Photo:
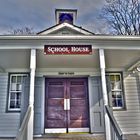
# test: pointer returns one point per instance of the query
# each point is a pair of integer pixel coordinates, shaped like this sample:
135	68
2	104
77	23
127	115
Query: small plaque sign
67	49
66	73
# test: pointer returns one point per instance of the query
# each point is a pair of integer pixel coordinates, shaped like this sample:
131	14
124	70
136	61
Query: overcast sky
40	14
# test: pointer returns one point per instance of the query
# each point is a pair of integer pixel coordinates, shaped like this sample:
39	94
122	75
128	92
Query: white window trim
9	91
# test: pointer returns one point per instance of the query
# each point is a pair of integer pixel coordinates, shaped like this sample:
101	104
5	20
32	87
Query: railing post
105	96
31	96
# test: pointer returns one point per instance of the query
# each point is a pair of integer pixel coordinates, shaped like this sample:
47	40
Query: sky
40	14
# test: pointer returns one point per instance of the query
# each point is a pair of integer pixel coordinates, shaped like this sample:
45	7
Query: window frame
119	90
16	91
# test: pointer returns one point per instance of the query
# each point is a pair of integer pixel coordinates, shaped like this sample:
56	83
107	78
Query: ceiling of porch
67	61
20	59
121	58
14	59
115	59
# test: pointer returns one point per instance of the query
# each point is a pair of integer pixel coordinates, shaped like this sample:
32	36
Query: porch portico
30	57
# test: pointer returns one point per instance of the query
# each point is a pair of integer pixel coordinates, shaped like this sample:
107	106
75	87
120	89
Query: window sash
16	101
117	95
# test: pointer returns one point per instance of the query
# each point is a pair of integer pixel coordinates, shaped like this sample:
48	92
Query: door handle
66	104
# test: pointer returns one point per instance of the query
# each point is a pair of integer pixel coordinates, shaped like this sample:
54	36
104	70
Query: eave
94	37
100	41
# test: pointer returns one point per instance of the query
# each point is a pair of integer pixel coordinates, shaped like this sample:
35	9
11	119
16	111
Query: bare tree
21	31
123	16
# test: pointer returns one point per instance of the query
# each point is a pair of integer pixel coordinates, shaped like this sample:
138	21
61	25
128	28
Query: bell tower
65	15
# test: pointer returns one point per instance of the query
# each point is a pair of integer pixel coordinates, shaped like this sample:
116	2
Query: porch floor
71	137
76	137
81	137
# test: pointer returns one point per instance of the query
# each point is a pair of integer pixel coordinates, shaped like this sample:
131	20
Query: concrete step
81	137
76	137
71	137
7	138
132	137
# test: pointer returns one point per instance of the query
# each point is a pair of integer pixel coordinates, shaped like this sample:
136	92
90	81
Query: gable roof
61	26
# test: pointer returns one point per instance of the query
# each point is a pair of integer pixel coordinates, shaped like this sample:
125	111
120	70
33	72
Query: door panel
67	104
55	114
55	91
78	103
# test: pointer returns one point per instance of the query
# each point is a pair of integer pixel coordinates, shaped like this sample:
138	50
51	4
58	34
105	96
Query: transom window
116	85
15	91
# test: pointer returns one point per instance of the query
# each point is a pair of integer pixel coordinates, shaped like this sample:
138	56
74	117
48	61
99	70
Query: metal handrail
114	123
23	127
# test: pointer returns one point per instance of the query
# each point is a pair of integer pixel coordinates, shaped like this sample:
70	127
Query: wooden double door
66	105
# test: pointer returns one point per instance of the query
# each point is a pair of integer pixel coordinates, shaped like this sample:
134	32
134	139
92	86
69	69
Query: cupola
65	16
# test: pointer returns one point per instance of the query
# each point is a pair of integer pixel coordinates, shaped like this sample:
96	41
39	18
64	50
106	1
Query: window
15	91
116	88
66	17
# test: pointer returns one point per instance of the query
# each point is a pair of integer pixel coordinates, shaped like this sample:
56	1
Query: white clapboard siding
9	122
129	119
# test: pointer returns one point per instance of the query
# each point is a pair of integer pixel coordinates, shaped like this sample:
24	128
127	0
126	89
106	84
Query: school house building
67	79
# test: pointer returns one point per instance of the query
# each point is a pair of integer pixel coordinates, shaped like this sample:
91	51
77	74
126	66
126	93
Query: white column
105	96
31	95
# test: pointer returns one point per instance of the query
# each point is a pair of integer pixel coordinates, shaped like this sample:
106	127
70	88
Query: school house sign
67	49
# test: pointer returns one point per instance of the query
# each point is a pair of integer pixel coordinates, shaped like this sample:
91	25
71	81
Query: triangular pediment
65	29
